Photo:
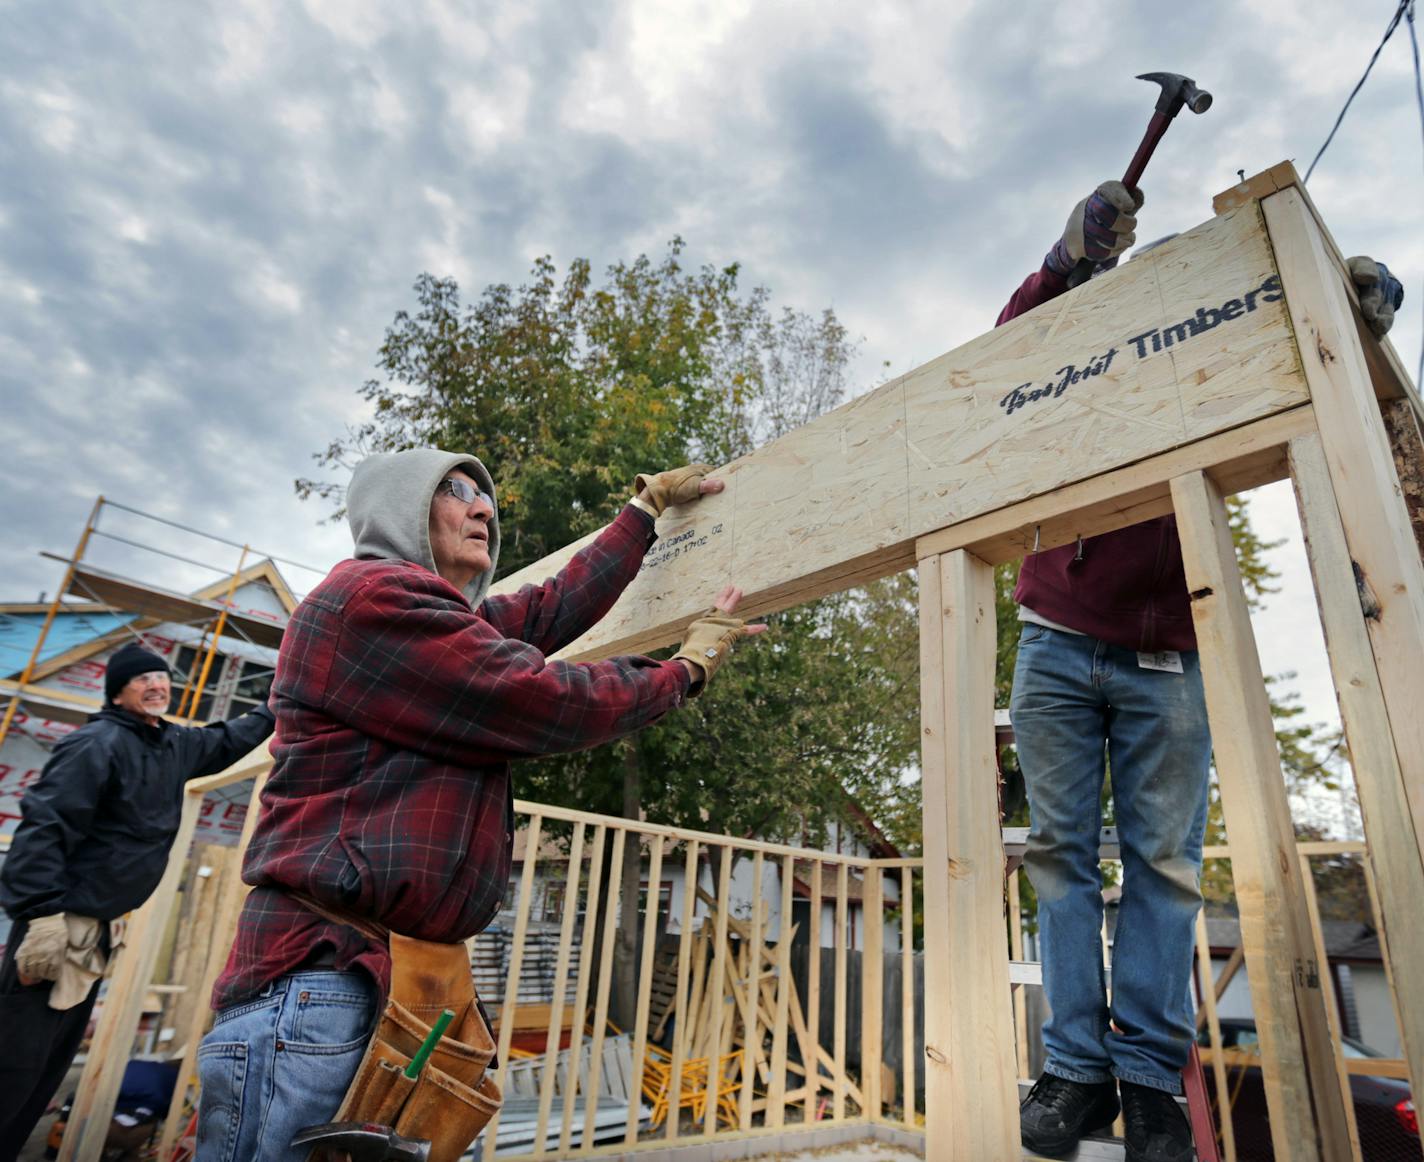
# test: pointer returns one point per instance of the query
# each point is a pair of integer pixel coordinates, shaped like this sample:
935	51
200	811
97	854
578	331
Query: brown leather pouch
452	1100
447	1114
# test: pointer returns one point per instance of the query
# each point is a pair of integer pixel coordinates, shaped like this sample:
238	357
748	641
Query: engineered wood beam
1188	342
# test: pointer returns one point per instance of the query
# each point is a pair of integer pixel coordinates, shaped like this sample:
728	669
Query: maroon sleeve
416	668
566	606
1036	289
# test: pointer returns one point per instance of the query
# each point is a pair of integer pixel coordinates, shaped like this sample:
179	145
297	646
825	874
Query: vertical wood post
1306	1113
717	990
907	994
109	1051
561	988
971	1104
645	975
813	997
872	992
682	1005
838	1007
1317	935
1367	488
1393	848
516	960
776	1094
230	896
751	1002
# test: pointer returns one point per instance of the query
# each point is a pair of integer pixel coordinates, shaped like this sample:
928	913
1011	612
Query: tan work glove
42	951
707	643
1100	228
653	492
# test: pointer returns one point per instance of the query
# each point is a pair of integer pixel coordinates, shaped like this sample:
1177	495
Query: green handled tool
427	1047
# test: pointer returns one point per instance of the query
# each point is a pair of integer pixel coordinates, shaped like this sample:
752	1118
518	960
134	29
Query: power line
1419	99
1388	32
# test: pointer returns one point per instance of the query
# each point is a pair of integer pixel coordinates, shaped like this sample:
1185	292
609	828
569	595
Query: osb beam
1387	372
1188	342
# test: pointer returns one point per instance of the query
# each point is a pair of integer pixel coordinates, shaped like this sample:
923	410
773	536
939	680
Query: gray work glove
41	953
1100	228
656	490
708	641
1381	294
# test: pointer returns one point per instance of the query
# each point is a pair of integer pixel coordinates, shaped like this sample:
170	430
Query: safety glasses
464	491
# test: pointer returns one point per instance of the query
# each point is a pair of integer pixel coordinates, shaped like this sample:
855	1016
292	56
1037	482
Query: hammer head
1177	91
363	1142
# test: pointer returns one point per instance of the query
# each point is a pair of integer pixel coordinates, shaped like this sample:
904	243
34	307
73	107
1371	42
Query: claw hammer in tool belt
421	1092
1177	91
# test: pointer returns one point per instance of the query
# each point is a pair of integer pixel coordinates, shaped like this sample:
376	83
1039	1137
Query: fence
801	1033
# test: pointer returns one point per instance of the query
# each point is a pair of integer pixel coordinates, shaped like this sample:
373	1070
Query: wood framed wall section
971	1104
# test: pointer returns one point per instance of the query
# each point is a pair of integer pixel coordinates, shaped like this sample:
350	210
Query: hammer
1177	91
364	1142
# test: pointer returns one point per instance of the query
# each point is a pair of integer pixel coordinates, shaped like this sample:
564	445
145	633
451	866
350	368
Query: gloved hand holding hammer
1100	228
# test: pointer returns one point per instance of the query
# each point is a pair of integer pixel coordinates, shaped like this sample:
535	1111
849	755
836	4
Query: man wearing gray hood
402	693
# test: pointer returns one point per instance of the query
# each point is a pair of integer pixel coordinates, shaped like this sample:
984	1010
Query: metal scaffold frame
211	610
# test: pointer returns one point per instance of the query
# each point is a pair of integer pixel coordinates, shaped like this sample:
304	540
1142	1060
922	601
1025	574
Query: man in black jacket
92	845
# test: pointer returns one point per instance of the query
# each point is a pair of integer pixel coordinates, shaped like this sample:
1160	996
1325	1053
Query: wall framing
889	481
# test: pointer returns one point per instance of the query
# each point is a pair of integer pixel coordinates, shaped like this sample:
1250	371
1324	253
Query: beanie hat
129	662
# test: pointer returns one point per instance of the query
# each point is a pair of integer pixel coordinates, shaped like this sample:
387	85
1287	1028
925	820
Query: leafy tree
566	388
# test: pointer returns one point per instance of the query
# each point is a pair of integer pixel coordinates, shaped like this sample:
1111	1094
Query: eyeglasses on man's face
463	490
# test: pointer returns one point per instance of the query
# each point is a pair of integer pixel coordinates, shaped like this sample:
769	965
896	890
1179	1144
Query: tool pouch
447	1114
452	1099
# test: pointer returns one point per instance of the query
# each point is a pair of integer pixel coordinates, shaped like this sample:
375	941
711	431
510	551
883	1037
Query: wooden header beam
1189	342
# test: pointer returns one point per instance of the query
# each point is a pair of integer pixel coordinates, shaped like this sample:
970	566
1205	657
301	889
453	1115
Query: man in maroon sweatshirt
1108	668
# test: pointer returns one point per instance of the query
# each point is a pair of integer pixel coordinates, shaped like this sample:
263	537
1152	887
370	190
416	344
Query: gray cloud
211	212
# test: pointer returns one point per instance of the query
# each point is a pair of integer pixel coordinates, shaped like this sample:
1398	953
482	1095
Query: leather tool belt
453	1098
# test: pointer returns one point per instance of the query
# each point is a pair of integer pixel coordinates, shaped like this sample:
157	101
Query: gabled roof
83	629
1346	941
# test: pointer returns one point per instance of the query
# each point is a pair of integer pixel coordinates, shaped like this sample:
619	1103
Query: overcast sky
210	212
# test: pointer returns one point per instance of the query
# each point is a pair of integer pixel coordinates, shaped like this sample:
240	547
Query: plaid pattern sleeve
413	666
563	608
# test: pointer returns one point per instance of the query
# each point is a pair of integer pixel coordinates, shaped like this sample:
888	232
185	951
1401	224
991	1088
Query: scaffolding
90	588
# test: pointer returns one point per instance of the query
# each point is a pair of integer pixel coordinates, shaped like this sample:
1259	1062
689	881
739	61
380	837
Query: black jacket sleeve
56	816
212	748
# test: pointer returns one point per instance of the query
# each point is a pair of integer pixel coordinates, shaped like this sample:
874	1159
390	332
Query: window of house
187	664
554	892
254	684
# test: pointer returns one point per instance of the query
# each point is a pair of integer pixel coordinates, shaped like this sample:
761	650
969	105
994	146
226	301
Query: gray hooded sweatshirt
388	508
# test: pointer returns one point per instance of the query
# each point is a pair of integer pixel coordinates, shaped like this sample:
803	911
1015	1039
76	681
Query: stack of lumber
490	956
716	1026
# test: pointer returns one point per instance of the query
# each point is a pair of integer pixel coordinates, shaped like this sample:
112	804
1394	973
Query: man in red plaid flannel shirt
402	693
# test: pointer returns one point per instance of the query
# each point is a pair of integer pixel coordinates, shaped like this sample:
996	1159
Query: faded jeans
281	1062
1075	698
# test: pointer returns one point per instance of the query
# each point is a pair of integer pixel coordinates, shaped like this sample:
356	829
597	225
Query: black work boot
1057	1112
1157	1130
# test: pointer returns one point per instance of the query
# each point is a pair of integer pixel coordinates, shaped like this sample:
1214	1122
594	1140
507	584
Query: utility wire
1419	98
1388	32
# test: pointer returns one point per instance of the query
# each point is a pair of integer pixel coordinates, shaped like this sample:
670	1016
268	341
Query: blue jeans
281	1062
1076	698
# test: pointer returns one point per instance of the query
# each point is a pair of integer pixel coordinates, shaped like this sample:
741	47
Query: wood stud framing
1292	390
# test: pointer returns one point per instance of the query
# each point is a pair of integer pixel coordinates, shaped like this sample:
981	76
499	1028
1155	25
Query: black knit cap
129	662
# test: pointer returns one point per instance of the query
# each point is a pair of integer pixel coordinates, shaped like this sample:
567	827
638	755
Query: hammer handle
1155	129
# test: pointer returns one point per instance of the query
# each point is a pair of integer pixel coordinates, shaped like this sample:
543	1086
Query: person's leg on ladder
1059	726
